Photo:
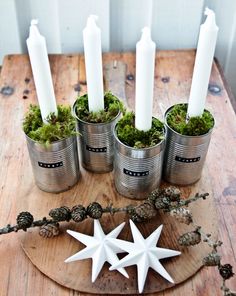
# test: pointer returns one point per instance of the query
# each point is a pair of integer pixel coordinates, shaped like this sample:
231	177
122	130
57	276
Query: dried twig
167	200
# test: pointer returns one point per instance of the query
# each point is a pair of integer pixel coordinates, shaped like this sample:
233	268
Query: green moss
112	106
130	136
60	127
196	126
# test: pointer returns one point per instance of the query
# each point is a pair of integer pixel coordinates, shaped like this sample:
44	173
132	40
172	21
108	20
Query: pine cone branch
167	200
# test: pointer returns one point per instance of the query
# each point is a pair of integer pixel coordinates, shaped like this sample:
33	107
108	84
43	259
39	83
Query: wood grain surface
49	254
18	191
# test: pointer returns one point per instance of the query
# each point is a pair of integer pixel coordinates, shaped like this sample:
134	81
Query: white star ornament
99	248
144	253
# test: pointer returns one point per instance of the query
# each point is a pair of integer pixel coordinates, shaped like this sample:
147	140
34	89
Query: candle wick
34	22
208	11
146	31
210	19
94	16
92	19
146	34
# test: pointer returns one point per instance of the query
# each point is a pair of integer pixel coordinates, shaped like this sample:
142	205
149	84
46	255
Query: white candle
203	65
93	64
41	71
145	66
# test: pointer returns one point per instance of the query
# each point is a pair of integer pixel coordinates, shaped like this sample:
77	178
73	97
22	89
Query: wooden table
173	73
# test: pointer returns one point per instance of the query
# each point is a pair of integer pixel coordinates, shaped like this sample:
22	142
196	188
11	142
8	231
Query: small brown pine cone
94	210
157	193
134	217
162	203
78	213
49	230
24	220
172	192
145	211
60	214
212	259
182	215
226	271
190	238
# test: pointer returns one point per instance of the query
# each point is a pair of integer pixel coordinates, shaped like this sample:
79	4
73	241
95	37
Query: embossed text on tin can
96	144
137	172
56	165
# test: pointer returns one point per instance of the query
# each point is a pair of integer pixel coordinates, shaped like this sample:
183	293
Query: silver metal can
137	172
56	165
96	144
184	156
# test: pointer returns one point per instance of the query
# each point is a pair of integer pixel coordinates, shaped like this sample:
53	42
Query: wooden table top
173	74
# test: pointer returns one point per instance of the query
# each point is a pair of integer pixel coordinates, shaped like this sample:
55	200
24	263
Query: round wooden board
48	255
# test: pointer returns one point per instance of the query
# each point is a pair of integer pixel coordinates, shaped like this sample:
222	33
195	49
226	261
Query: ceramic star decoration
144	253
99	248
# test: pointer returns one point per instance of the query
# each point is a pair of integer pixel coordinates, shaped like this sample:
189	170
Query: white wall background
175	25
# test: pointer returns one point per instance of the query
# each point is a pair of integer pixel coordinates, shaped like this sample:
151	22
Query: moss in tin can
195	126
112	106
59	127
131	136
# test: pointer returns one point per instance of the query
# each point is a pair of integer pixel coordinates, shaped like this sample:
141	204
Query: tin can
96	144
137	172
184	156
56	165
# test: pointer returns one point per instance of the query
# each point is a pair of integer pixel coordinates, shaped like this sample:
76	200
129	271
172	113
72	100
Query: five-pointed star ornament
144	253
99	248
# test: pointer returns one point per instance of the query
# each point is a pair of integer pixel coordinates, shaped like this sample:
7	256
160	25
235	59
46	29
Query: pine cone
212	259
182	215
154	195
49	230
190	238
94	210
78	213
172	192
60	214
145	211
226	271
134	217
162	203
142	212
162	198
24	220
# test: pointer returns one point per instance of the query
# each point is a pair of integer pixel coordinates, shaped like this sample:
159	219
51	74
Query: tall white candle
145	66
203	65
93	64
41	71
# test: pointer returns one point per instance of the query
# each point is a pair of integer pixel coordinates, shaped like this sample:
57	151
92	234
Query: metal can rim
140	149
92	123
52	143
186	136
